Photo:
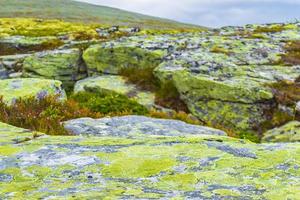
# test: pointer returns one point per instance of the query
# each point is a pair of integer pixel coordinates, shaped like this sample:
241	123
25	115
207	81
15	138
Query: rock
63	65
11	64
224	79
290	132
112	59
135	125
145	167
12	89
23	45
117	84
298	106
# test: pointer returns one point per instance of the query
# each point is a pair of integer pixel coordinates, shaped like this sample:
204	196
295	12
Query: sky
212	13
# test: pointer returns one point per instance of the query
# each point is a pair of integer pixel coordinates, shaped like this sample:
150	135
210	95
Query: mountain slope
83	12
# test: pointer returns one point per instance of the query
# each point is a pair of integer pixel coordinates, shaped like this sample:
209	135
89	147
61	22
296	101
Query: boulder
144	167
12	89
135	125
63	65
117	84
289	132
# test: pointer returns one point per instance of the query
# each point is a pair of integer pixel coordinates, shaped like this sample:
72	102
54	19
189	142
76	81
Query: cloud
212	12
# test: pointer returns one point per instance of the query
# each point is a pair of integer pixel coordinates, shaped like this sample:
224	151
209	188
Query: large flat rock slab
145	167
135	125
13	89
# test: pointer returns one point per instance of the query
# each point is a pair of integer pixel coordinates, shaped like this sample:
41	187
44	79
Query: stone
298	106
289	132
63	65
117	84
147	166
13	89
22	45
135	125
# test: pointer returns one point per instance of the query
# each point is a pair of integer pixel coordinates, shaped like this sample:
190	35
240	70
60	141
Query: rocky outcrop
144	167
224	77
12	65
116	84
135	125
290	132
63	65
12	89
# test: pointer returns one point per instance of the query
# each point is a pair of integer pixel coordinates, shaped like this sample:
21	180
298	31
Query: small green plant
106	103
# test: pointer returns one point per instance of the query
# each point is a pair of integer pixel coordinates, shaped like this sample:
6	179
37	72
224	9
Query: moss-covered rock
116	84
112	60
63	65
290	132
145	167
12	89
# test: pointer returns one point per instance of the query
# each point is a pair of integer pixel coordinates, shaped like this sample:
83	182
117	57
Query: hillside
83	12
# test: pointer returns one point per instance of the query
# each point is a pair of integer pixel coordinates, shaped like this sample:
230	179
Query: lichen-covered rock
63	65
117	84
144	167
21	44
135	125
12	89
223	76
112	59
290	132
11	64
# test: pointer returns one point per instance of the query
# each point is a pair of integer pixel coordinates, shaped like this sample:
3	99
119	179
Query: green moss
108	103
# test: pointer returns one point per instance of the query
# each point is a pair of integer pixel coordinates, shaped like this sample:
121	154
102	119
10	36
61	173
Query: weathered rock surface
144	167
117	84
287	133
135	125
224	78
11	64
63	65
12	89
21	44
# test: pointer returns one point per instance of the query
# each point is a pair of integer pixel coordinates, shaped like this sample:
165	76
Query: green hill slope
83	12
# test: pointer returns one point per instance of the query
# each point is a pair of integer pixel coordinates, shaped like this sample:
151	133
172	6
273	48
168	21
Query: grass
46	115
270	29
74	11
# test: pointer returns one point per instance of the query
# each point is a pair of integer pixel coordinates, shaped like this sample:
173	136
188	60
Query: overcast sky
212	13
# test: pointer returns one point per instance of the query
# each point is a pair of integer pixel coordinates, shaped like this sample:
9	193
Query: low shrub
44	115
292	54
106	103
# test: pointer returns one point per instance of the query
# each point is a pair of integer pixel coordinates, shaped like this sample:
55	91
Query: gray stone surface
135	125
